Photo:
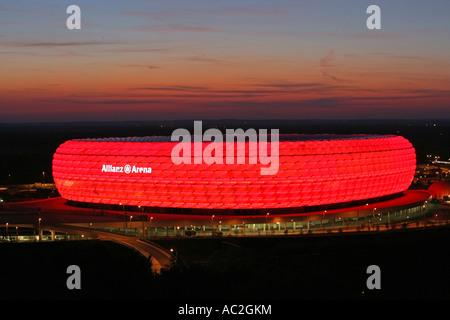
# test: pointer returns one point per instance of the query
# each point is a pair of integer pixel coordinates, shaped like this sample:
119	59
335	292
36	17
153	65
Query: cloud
384	55
105	101
204	59
173	88
249	91
243	92
65	54
327	60
9	10
339	80
138	66
290	85
58	44
175	28
376	35
201	12
240	11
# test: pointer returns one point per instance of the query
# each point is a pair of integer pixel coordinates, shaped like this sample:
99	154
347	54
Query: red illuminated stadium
317	171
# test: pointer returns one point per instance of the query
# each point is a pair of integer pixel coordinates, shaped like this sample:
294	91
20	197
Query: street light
39	230
151	228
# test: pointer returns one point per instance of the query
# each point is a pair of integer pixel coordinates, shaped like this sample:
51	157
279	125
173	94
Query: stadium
319	177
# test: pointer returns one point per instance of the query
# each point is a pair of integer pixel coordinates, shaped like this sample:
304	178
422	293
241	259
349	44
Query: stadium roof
282	137
440	189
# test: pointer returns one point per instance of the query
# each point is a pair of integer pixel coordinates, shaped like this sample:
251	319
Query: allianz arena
315	173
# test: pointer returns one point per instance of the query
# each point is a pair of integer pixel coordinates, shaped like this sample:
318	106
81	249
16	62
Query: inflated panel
140	172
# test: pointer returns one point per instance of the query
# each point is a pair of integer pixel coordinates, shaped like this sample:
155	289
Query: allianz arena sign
126	169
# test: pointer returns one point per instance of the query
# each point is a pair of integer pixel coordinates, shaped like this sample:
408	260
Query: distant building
440	189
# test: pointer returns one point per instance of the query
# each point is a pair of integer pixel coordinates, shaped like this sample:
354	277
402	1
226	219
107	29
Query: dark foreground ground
414	265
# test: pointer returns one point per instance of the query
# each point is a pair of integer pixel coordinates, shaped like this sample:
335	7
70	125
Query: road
159	256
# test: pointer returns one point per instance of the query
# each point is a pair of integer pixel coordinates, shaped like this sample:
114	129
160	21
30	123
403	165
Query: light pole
389	220
131	217
323	218
124	215
39	230
151	228
267	214
43	177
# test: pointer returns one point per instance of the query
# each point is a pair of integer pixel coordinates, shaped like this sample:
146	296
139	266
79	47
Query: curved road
159	256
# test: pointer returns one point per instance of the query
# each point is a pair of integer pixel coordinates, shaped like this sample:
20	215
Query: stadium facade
334	181
319	171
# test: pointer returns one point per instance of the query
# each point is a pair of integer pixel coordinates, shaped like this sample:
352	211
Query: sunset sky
167	60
